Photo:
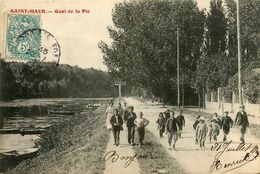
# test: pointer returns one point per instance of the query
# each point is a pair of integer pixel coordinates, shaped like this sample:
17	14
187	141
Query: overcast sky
77	34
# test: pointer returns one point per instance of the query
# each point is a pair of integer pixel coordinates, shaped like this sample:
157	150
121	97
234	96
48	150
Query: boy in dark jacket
226	123
172	129
161	124
181	122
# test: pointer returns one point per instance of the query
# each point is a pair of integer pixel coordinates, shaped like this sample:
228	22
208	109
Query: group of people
167	122
217	123
171	125
117	116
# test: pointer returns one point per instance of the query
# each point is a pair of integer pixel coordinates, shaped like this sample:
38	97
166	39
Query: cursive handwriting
251	153
114	156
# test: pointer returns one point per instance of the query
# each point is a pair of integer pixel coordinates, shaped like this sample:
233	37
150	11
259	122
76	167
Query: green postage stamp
20	45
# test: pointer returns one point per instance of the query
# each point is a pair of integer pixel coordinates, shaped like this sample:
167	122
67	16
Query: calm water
30	113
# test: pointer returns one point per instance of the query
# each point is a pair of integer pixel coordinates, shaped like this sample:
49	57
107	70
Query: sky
77	34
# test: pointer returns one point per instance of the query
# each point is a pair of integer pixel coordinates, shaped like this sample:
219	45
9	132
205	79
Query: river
18	114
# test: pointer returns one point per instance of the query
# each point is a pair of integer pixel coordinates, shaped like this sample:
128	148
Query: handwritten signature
114	156
251	153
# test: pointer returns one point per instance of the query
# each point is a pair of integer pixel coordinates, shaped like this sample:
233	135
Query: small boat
22	131
21	152
10	131
12	158
62	112
28	131
92	106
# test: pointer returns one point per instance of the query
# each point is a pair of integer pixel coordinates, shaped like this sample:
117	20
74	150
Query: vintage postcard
129	86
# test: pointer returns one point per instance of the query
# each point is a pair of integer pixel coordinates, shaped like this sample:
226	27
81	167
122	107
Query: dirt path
189	155
123	151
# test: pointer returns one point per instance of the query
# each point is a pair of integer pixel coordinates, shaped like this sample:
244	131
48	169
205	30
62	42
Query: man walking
172	129
116	122
141	123
130	118
181	122
242	121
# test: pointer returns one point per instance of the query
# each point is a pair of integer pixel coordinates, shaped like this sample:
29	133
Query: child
201	132
181	122
210	132
195	126
216	123
161	124
172	129
167	114
226	123
109	113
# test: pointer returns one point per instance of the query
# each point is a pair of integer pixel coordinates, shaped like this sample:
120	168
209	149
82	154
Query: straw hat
202	118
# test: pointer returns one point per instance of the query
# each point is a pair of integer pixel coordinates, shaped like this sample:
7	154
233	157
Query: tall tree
216	28
144	43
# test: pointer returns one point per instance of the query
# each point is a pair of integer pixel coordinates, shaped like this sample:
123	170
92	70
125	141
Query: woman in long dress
109	113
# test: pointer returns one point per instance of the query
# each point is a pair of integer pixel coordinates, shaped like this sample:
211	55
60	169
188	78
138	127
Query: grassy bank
72	146
161	161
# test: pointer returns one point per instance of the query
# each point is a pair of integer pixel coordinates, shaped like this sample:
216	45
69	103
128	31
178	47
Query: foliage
218	66
216	28
250	85
43	79
144	43
213	71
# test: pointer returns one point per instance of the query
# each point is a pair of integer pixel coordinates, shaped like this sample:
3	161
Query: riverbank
75	145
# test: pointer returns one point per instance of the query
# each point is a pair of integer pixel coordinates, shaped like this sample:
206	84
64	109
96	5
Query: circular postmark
39	44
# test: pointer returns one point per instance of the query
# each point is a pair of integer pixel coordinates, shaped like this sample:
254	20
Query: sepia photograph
129	86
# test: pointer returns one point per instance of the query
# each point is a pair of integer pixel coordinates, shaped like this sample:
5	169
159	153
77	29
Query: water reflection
35	116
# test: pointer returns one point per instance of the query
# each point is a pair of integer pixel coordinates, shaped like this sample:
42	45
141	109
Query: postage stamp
28	41
22	48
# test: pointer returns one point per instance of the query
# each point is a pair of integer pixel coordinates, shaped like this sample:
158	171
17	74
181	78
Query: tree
43	79
218	66
216	28
144	43
249	21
